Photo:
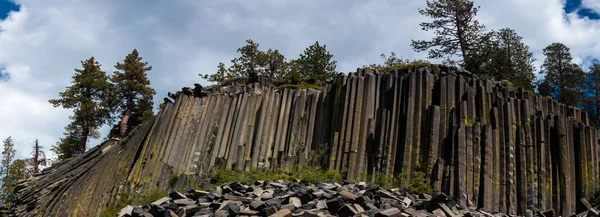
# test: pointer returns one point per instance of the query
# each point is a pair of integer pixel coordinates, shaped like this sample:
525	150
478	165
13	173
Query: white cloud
591	4
42	43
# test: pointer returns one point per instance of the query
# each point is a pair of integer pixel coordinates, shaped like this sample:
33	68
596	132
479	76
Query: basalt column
482	142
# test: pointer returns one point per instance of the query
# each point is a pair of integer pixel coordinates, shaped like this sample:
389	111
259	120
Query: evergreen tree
17	170
563	78
482	56
8	155
68	145
592	91
544	88
133	92
248	65
142	111
455	27
220	76
251	64
293	74
503	56
392	63
87	97
392	60
316	63
273	63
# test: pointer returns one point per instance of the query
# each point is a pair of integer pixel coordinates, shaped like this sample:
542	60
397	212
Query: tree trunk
36	157
126	115
597	104
460	33
85	132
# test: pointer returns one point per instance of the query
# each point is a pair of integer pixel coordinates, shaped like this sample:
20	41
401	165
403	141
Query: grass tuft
301	86
143	198
303	172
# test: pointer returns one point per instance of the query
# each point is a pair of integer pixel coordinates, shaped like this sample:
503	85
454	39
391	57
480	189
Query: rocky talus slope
479	141
301	199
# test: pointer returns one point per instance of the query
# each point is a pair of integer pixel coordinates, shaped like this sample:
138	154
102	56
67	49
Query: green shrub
304	172
419	184
333	175
148	196
113	209
388	181
144	198
301	86
397	66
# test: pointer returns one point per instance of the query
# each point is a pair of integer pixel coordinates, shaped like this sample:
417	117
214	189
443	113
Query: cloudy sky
41	42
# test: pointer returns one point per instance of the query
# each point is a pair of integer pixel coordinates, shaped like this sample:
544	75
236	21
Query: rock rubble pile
286	199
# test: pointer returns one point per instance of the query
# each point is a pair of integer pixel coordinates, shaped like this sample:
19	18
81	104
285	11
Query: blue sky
580	9
7	6
41	42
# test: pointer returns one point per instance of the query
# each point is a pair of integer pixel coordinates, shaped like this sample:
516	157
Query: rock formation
479	141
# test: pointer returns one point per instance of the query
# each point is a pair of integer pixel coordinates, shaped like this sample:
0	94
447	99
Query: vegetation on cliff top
314	66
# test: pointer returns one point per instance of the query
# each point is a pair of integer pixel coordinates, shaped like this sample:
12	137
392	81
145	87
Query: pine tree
503	56
592	91
248	64
563	78
8	155
544	88
133	92
220	76
87	97
455	27
392	63
293	74
17	170
316	63
273	63
68	145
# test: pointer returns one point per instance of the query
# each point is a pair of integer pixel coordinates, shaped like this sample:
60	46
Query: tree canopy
455	27
8	155
562	78
591	85
316	64
133	94
67	146
503	56
392	63
87	96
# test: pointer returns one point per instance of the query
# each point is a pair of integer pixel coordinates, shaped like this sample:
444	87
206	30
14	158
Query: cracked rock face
478	141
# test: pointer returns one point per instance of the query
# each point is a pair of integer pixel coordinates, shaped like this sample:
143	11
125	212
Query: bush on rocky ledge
304	172
145	197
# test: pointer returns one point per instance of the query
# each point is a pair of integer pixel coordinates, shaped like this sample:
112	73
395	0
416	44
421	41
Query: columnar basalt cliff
480	141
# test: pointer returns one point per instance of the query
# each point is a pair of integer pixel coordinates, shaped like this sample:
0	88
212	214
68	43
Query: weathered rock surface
478	141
